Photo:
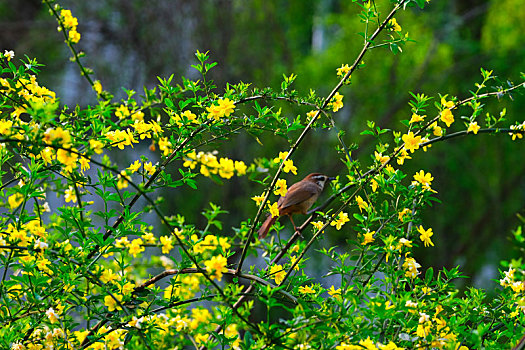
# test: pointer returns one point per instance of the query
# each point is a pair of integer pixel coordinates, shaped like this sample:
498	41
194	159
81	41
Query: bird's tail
265	227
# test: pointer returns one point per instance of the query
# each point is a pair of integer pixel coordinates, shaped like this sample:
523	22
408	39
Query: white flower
52	315
9	54
423	317
410	303
40	245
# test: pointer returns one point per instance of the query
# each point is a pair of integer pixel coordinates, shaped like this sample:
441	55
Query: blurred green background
480	180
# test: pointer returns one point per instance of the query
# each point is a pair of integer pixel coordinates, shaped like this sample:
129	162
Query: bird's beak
331	179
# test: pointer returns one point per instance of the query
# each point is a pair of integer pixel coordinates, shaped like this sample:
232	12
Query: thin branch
231	272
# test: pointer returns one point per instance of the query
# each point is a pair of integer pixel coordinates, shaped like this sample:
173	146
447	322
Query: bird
297	200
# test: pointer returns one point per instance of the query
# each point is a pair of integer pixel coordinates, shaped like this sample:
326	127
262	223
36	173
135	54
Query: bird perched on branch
298	199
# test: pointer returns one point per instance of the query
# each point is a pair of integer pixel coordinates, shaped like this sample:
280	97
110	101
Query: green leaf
359	217
429	275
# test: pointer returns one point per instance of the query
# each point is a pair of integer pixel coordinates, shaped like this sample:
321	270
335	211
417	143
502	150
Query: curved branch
231	272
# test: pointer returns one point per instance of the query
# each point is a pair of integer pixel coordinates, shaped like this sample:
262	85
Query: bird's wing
307	191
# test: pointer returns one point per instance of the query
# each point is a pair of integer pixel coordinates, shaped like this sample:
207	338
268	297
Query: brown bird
298	199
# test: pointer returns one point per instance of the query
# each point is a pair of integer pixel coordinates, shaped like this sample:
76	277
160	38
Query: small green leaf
429	275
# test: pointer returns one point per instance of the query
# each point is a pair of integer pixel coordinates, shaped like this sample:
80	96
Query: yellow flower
311	114
436	130
190	160
122	112
447	117
97	86
390	346
394	27
306	289
368	238
149	168
425	236
217	265
226	168
280	188
110	302
201	338
240	167
274	210
127	288
122	182
226	107
423	179
68	20
68	158
74	36
199	316
342	219
41	264
416	118
446	104
361	203
381	158
411	266
15	200
374	185
337	102
368	344
81	335
108	276
402	213
171	290
167	244
5	127
189	116
515	135
258	199
137	116
293	263
96	146
282	156
343	70
165	146
47	155
185	117
214	112
345	346
122	242
318	225
134	167
210	242
58	135
277	273
402	155
135	247
411	142
84	163
143	129
288	166
70	195
474	127
403	242
334	292
389	169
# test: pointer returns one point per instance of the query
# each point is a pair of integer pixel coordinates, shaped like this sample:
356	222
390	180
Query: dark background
480	180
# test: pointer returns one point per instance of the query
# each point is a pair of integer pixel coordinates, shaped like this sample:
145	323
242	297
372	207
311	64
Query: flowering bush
90	272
